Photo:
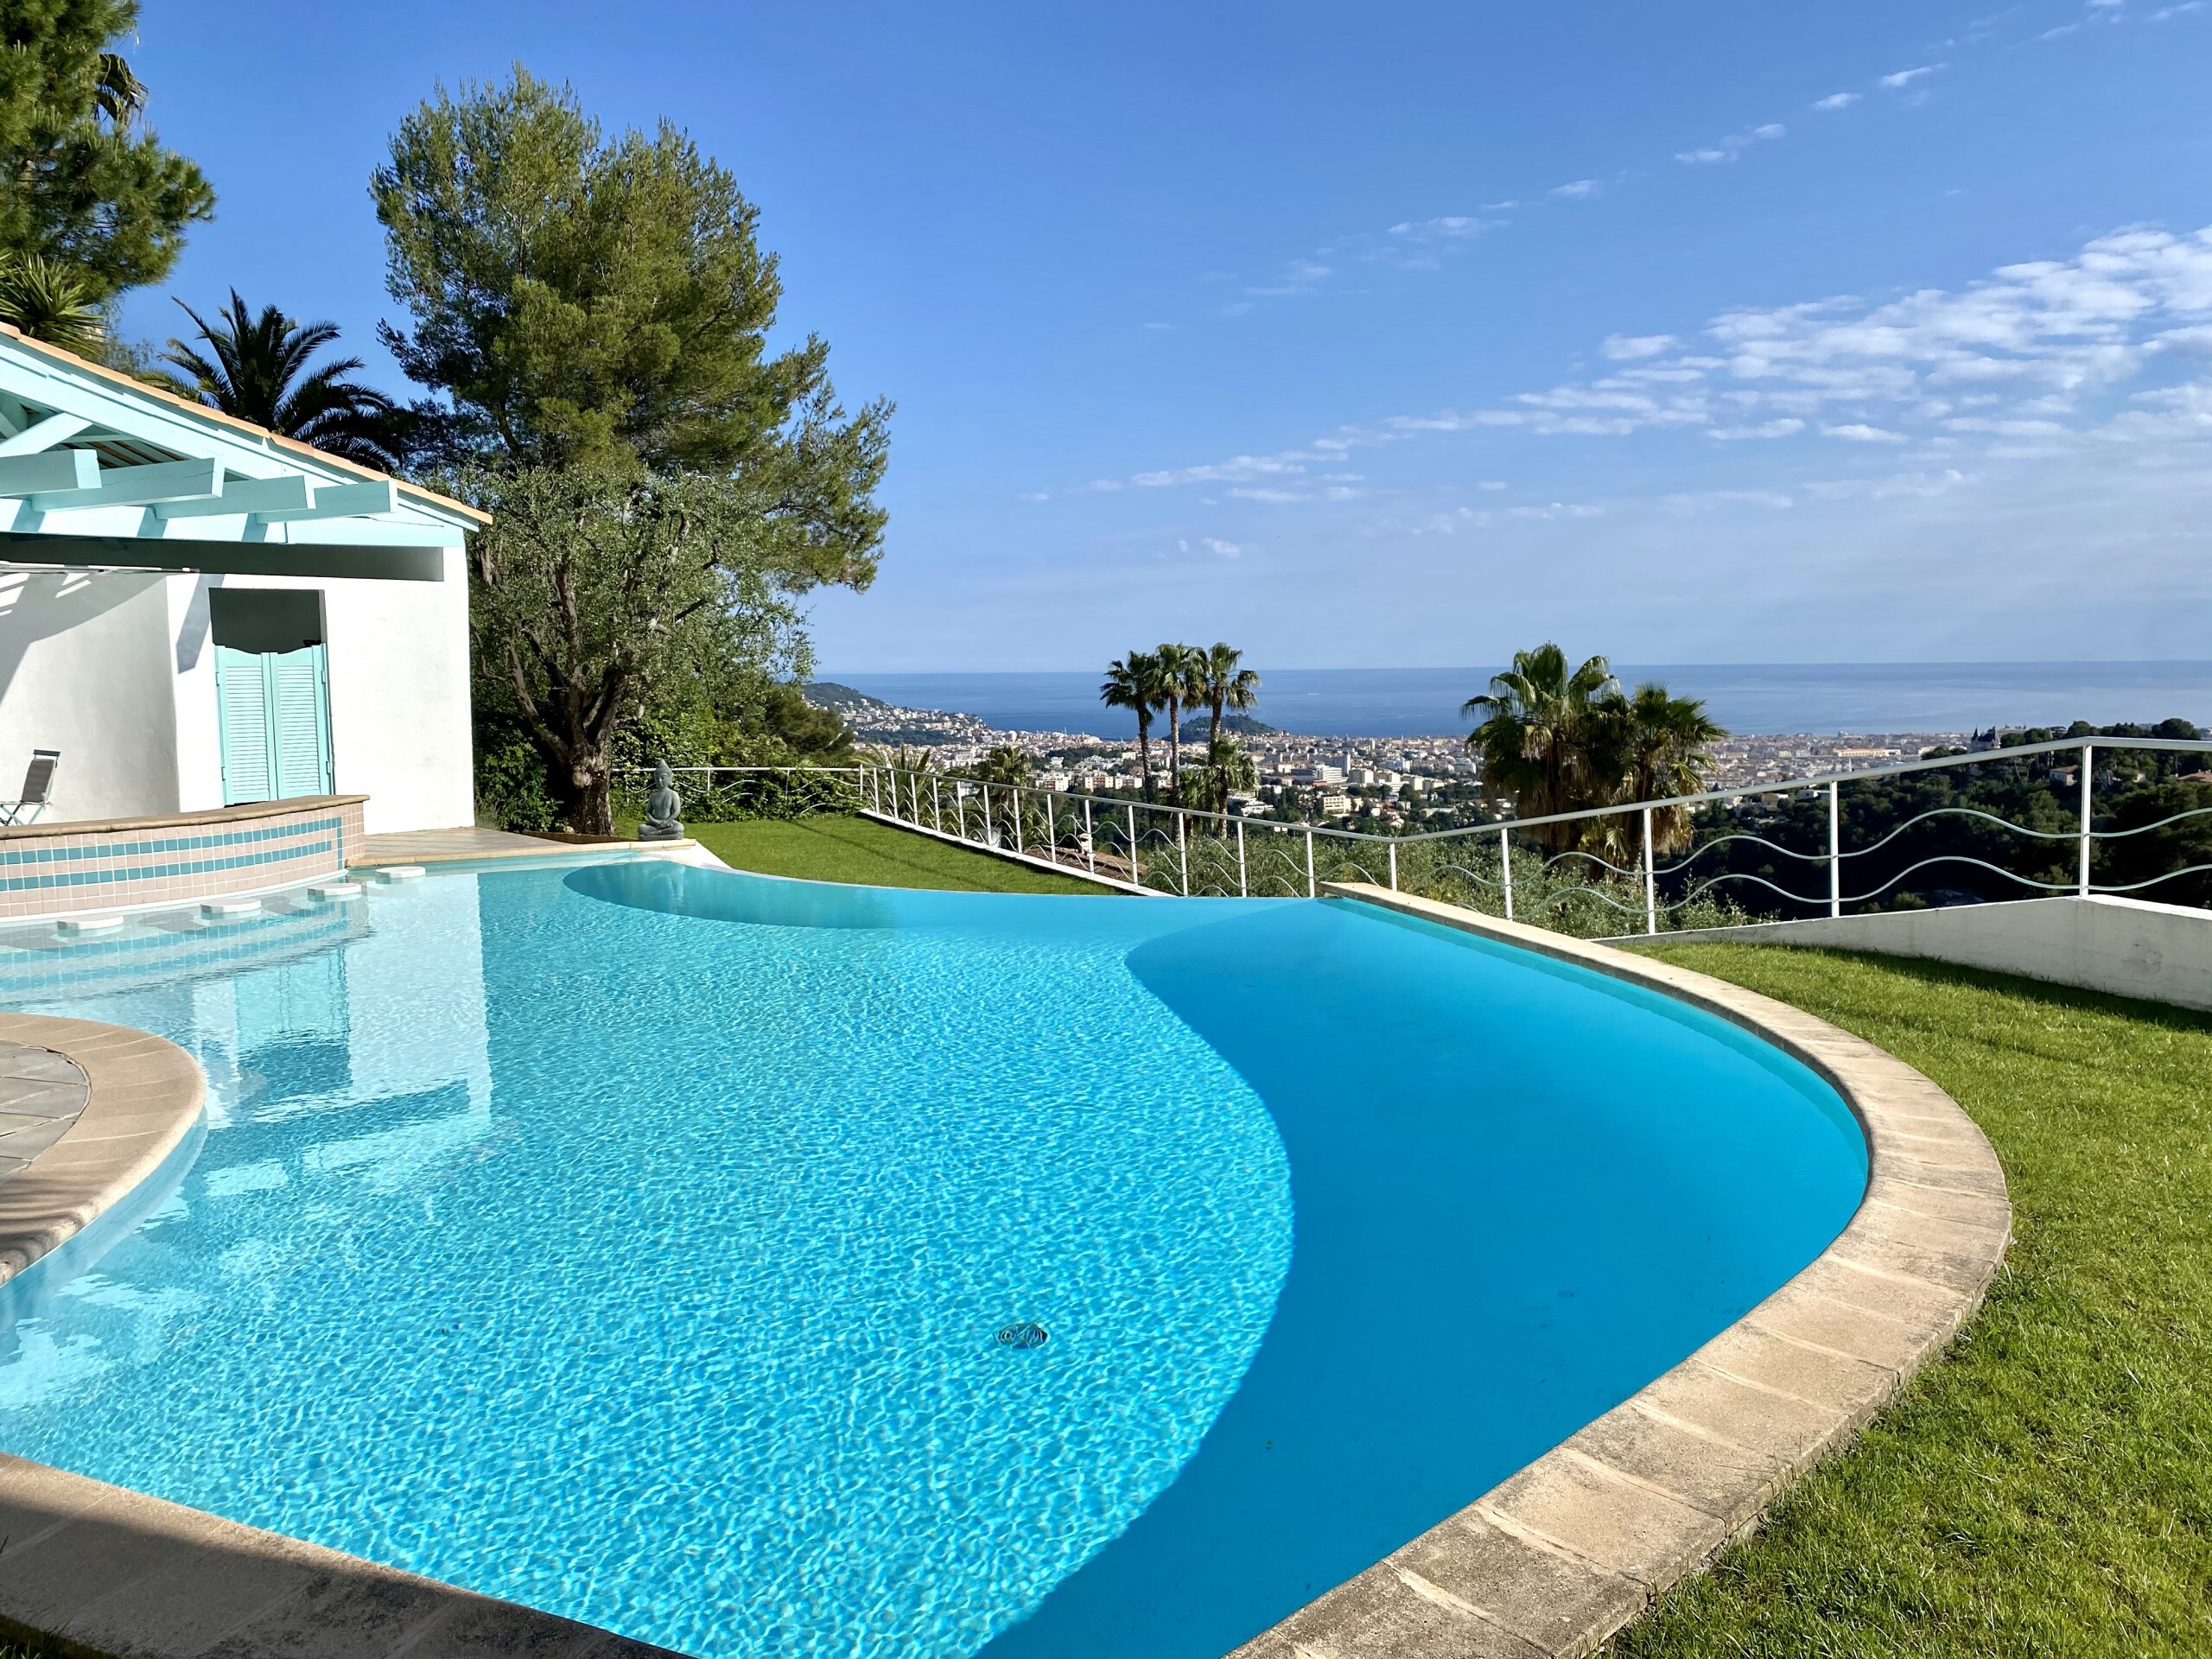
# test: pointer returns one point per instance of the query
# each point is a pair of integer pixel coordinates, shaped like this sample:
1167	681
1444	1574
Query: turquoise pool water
634	1241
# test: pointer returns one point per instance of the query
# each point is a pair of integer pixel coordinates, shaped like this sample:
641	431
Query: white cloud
1576	190
1301	276
1449	224
1707	500
1906	77
2106	347
1788	426
1559	510
1836	101
1732	147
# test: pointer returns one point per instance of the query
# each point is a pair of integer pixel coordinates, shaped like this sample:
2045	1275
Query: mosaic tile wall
53	871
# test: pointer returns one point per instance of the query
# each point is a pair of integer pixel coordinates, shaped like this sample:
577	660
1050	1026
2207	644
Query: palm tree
117	93
1660	745
1228	686
1541	727
50	302
256	367
1182	683
1132	683
1227	768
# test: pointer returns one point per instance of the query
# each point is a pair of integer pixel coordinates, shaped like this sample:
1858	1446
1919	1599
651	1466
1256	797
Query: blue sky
1397	334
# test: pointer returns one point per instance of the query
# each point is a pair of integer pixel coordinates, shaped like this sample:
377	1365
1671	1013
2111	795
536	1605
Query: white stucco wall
2160	952
399	711
117	672
84	667
399	725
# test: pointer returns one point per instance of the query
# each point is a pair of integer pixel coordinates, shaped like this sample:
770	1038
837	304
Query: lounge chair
38	789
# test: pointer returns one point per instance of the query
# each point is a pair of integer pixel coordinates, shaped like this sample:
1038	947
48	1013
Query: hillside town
1427	782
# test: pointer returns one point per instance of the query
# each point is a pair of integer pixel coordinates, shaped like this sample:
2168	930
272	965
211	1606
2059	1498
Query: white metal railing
1580	862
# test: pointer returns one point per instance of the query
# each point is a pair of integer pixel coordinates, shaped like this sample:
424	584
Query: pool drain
1023	1334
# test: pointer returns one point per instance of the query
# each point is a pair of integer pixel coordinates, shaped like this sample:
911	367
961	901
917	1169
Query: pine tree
84	183
583	301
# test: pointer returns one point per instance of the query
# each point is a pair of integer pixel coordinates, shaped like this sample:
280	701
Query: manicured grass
830	848
2046	1489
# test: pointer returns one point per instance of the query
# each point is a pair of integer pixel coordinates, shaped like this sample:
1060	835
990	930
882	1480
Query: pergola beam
263	495
136	486
38	551
44	434
54	469
343	501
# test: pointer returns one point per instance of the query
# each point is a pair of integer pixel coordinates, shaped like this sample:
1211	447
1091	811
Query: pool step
224	910
399	872
71	926
324	892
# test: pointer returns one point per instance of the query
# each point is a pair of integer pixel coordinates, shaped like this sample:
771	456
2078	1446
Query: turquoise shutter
299	722
242	714
273	709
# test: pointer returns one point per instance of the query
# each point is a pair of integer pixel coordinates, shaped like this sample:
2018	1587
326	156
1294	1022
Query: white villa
196	614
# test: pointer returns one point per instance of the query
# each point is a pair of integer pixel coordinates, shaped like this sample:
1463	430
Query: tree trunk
588	805
1175	751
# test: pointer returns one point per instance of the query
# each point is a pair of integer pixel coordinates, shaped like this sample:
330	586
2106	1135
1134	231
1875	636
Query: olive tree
597	594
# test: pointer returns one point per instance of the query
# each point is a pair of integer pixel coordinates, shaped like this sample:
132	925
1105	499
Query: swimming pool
636	1241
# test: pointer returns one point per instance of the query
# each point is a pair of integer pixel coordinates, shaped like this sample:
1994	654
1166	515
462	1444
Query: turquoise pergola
100	472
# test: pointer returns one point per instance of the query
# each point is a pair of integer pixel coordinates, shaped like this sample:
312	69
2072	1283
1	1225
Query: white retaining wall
2126	946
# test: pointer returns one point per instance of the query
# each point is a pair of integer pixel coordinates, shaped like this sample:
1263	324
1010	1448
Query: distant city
1395	779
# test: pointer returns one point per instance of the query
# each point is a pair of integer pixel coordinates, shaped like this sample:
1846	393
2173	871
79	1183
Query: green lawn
2046	1489
830	848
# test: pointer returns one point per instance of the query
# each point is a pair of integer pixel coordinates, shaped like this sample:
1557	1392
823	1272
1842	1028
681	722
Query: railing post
1135	881
1243	890
1651	882
960	810
1505	865
1183	848
1090	837
2088	753
1016	789
1394	866
1312	891
937	806
1835	848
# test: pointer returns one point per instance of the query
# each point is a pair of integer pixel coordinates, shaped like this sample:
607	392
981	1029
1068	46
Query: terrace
1520	1215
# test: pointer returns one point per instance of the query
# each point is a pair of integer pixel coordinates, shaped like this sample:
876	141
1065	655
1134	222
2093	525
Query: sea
1749	698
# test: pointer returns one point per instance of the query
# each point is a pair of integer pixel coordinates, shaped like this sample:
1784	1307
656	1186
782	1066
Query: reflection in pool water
635	1242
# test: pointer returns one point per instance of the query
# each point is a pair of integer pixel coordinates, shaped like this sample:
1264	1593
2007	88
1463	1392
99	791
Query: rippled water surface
634	1241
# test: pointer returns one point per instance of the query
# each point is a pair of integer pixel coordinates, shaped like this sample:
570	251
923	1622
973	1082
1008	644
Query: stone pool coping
88	1568
1560	1556
145	1095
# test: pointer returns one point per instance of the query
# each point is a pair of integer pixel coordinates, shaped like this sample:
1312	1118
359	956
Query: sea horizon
1752	699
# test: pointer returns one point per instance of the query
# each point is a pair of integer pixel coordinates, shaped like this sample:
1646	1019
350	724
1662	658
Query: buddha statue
662	805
